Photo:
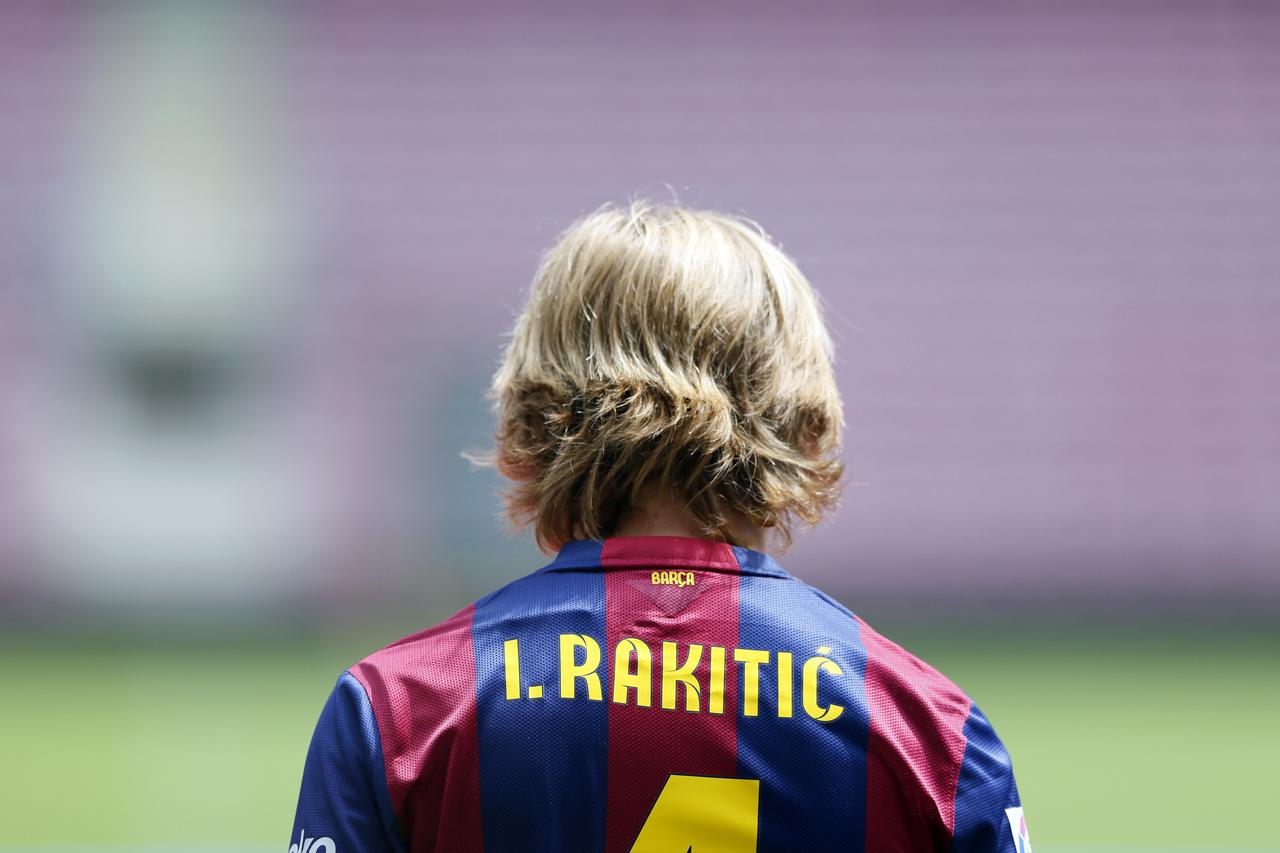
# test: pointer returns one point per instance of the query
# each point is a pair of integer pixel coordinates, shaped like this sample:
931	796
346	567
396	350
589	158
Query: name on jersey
680	579
678	672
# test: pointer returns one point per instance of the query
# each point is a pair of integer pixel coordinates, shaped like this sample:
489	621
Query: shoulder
927	695
918	732
441	657
422	676
908	699
433	656
923	696
421	688
422	696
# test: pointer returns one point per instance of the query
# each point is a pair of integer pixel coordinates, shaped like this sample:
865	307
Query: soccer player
666	413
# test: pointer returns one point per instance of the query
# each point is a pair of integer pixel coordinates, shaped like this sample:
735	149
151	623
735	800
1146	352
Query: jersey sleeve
988	815
344	805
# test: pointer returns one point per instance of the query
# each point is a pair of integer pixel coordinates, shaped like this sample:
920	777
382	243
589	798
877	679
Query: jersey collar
628	552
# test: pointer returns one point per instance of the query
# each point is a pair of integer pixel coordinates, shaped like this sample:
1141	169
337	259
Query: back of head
671	349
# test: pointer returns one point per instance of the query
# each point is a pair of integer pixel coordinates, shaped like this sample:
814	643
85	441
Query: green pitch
1156	740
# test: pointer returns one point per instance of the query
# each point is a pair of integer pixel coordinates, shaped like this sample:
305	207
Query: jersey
657	695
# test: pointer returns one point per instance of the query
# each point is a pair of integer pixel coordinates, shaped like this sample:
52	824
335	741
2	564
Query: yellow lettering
624	679
784	683
681	579
715	693
751	660
570	669
511	665
673	675
810	687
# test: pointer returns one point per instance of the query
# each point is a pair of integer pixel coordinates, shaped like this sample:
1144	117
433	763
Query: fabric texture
652	693
344	804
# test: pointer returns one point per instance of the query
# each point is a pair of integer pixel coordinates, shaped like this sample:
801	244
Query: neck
660	515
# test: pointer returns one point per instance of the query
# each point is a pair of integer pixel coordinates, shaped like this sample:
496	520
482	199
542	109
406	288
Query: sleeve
344	805
988	816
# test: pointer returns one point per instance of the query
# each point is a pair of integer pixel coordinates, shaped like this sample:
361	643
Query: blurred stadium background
256	262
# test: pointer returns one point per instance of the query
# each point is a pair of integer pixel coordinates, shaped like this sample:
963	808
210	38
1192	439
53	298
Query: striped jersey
659	695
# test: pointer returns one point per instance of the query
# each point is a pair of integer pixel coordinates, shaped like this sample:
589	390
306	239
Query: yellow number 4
703	814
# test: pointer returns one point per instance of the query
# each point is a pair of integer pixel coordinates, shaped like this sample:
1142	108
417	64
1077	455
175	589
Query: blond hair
667	348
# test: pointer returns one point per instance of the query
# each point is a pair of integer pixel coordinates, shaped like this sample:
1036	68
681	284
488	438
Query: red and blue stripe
909	765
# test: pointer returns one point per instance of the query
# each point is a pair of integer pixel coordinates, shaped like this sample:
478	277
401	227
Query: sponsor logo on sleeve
1018	826
313	845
